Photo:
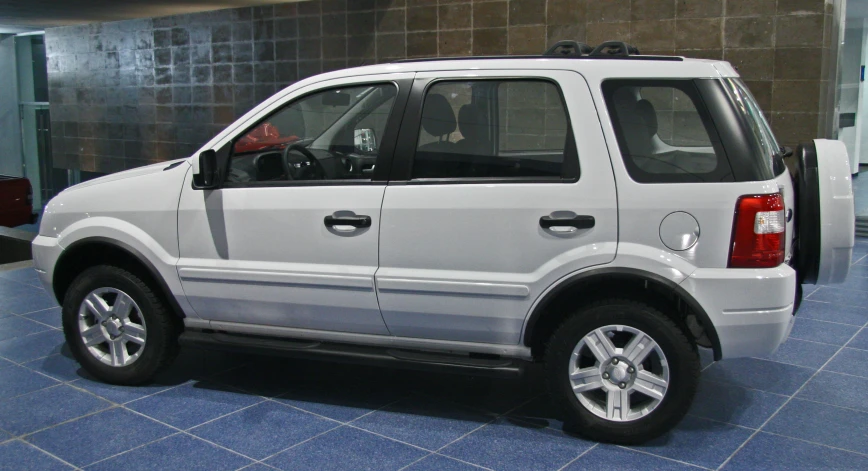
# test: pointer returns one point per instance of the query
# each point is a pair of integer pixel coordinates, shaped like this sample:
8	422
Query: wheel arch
96	250
595	284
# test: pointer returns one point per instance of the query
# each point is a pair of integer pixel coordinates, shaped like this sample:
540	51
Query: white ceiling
27	15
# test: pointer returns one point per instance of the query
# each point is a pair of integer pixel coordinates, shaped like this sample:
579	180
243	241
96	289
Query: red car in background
16	201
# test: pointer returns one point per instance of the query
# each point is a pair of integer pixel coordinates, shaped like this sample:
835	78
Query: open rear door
825	215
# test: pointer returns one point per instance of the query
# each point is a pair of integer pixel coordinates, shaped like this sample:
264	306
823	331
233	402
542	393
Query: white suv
604	213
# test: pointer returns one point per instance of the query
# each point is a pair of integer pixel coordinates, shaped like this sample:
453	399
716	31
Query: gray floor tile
850	361
773	453
613	458
31	347
192	404
17	380
268	428
735	404
506	445
441	463
853	315
15	455
759	374
47	407
698	441
14	326
803	353
181	452
109	433
837	389
821	423
423	422
347	448
825	332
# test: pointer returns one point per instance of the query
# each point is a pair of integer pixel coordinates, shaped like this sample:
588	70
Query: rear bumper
751	309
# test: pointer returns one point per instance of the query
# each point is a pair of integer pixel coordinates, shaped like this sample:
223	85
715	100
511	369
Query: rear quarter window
664	131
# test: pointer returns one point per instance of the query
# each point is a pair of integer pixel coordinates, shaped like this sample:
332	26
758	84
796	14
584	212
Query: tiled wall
128	93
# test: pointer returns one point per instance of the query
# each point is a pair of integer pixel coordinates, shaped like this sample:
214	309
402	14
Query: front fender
138	243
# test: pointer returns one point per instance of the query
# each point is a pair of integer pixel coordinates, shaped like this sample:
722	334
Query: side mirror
207	176
365	141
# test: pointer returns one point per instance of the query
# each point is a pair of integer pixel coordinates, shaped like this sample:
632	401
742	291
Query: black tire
163	326
681	355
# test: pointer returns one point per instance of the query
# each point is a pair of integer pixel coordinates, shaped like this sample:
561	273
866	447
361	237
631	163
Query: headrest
438	119
471	122
646	112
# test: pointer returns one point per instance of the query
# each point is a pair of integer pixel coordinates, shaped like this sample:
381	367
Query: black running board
474	364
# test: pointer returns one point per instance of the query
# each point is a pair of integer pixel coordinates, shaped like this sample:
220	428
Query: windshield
746	104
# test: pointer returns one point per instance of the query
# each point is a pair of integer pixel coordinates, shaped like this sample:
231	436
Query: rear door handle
579	222
355	221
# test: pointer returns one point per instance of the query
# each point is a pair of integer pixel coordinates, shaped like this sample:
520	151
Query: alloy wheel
112	327
619	373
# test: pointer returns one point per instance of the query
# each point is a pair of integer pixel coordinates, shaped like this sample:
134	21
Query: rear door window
665	133
505	129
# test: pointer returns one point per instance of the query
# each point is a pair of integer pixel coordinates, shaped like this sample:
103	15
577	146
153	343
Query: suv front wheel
117	327
621	371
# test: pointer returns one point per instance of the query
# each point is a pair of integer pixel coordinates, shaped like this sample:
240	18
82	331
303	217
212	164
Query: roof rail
568	49
614	48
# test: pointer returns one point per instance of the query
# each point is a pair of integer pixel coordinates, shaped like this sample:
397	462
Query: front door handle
355	221
579	222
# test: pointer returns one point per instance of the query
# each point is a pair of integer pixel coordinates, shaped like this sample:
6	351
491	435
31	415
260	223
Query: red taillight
759	232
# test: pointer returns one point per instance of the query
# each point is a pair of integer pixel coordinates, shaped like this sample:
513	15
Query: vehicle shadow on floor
365	394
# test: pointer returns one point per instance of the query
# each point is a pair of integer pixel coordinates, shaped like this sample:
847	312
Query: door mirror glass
365	141
207	176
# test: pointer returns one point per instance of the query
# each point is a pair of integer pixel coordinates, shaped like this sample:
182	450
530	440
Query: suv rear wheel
621	371
116	326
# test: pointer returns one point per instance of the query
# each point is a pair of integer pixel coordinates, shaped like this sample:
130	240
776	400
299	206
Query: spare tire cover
826	221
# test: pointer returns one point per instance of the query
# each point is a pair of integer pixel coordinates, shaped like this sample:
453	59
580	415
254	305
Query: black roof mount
568	49
614	48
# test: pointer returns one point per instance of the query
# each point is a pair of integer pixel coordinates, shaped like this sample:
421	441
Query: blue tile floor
804	407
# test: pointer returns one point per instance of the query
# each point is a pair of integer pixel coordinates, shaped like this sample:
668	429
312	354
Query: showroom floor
806	407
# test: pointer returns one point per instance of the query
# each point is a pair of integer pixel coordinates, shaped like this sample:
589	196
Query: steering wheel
316	170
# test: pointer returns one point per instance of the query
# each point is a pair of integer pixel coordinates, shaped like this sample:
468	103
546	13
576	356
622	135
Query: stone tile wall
129	93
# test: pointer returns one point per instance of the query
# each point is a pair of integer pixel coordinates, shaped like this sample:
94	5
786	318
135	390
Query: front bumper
751	309
46	251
